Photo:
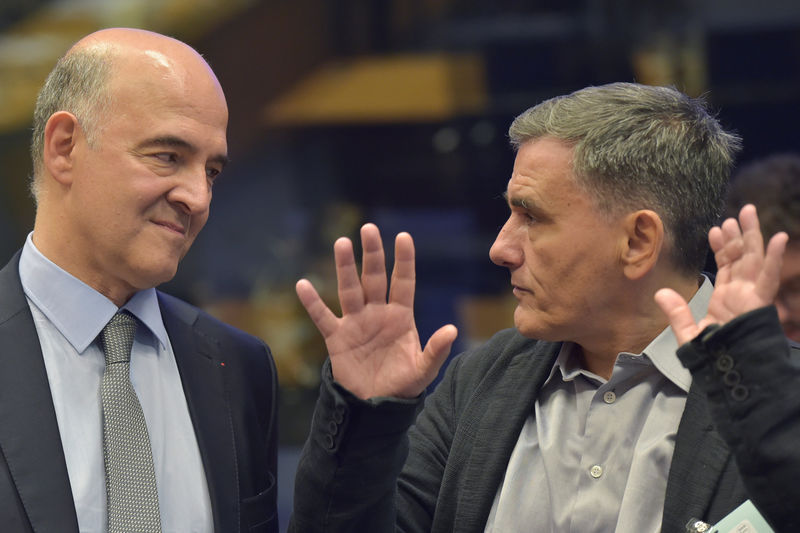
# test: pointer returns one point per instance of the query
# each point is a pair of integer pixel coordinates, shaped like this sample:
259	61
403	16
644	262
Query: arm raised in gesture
374	346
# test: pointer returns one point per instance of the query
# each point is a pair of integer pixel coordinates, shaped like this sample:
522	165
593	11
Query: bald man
129	137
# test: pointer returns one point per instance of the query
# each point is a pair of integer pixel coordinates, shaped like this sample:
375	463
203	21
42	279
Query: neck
57	247
635	325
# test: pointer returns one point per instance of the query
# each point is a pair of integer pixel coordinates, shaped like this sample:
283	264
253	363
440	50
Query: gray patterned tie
130	478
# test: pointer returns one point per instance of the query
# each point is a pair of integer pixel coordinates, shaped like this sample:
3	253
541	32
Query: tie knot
117	337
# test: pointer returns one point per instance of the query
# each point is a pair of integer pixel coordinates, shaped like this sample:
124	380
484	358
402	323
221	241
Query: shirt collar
661	351
567	364
78	311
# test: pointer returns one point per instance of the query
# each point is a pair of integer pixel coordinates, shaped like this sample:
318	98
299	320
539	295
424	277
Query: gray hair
78	85
642	147
773	186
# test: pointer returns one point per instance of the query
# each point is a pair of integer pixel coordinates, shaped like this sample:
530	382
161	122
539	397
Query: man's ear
60	136
645	232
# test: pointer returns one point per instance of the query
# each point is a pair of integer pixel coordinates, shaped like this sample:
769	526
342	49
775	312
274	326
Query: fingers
769	280
738	245
322	317
351	295
716	239
680	316
748	218
775	249
726	242
734	238
355	291
373	269
403	274
751	233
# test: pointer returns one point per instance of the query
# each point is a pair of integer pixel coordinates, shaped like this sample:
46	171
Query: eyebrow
171	141
516	202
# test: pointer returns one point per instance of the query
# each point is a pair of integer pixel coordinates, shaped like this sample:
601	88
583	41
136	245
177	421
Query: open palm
747	277
374	346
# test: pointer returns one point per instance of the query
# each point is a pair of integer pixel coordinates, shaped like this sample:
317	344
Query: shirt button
596	471
609	397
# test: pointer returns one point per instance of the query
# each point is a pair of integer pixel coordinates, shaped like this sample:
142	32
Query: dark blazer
360	472
753	393
230	384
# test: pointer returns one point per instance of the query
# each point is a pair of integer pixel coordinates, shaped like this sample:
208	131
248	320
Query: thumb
680	316
438	347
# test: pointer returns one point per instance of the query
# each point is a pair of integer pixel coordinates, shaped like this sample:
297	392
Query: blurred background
395	112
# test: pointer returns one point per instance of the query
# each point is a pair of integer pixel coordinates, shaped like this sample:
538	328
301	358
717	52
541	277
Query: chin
524	326
156	275
529	326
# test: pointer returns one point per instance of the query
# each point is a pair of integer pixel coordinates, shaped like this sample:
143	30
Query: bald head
130	135
141	49
110	64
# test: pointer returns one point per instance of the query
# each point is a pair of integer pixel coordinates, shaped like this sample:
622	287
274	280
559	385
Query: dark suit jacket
753	392
361	471
230	385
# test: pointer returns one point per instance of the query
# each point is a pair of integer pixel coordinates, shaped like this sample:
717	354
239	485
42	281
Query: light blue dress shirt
594	455
69	315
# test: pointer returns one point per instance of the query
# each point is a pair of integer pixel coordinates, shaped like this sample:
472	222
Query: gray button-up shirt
594	455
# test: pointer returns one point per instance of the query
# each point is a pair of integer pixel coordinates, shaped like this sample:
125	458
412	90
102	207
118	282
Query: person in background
773	186
121	408
582	417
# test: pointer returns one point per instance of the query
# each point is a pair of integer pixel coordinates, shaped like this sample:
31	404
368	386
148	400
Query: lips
517	290
172	226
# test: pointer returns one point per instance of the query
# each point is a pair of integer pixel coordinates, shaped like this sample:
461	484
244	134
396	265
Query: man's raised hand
374	346
747	277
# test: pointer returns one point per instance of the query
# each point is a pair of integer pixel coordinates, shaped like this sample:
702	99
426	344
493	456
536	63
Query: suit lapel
697	463
496	433
201	368
29	437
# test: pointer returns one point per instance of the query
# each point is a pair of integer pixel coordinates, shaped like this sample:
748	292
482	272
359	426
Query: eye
166	157
524	216
212	173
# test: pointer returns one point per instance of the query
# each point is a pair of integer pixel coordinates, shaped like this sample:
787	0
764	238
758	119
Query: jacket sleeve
753	389
347	475
355	471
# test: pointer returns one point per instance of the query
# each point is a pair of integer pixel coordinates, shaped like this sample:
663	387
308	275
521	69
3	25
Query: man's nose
193	192
506	250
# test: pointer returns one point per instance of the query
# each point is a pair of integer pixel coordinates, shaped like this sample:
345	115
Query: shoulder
505	347
173	308
210	334
13	300
9	275
794	352
500	360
